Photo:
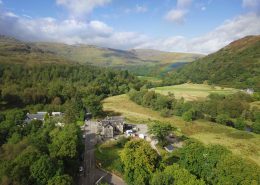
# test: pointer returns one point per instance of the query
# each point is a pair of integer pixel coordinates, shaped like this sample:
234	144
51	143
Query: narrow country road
91	173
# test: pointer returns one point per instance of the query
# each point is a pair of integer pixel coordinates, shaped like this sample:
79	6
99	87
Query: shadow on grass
240	135
111	113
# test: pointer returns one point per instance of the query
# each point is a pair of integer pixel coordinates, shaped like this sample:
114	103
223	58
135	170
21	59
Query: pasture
192	92
239	142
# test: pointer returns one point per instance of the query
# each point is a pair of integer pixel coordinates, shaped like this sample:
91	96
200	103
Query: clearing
239	142
192	92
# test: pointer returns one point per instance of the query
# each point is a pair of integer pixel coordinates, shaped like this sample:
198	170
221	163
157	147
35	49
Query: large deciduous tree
160	131
175	174
140	161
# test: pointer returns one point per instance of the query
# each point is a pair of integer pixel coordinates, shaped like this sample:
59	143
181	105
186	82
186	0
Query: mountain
236	65
142	62
15	51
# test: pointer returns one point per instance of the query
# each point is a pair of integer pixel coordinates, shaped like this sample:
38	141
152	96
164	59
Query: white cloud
229	31
73	31
78	8
27	16
140	9
177	14
136	9
70	31
183	3
253	5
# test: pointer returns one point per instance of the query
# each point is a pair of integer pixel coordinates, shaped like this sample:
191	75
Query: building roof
35	116
169	148
115	119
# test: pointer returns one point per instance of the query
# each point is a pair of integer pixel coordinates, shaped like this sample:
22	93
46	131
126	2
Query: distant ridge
236	65
141	62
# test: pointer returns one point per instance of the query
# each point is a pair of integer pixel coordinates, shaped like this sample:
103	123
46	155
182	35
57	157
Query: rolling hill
142	62
236	65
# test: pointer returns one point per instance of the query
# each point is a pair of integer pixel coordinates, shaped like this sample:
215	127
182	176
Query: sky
194	26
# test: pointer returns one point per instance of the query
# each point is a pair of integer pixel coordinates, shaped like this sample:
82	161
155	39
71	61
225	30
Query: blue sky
201	26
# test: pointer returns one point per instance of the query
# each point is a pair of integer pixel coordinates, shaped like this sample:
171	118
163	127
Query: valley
170	110
240	143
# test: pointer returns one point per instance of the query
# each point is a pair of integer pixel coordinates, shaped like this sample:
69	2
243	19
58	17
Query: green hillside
236	65
141	62
13	51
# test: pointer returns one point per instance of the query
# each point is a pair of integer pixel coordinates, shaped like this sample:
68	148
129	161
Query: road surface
92	174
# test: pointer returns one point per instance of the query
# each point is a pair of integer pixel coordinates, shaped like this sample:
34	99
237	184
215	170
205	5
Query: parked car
81	169
83	136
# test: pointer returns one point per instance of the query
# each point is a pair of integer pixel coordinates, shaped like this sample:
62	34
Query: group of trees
232	110
37	153
53	86
194	164
216	165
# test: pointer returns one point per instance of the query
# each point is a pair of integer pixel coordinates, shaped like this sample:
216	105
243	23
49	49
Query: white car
83	136
81	169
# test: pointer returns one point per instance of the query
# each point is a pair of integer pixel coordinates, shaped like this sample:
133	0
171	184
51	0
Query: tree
93	105
65	142
175	174
20	171
201	160
160	131
240	124
43	169
139	161
235	170
256	127
70	112
56	101
222	119
61	180
187	116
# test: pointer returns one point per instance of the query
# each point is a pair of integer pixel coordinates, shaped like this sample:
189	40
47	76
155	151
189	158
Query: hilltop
236	65
141	62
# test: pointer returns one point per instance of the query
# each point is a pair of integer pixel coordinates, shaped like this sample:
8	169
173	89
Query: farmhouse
38	116
41	115
111	126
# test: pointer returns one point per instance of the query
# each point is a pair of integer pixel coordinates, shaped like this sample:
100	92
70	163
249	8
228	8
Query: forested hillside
23	85
236	65
33	80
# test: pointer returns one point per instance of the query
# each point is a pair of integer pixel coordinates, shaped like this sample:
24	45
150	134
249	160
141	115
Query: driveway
92	174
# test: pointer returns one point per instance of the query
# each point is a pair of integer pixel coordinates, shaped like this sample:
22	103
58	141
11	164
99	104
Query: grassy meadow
150	79
239	142
192	92
108	155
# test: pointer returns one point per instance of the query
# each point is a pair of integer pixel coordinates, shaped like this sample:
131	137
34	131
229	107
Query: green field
108	155
192	92
239	142
150	79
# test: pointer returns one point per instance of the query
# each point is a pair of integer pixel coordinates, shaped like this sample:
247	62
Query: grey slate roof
38	116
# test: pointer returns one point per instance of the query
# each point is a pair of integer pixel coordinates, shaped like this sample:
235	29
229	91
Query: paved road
92	174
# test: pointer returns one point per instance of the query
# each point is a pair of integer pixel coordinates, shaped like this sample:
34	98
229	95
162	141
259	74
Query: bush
256	127
187	116
240	124
222	119
166	113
